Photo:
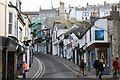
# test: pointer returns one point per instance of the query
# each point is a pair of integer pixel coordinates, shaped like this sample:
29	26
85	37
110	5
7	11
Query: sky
34	5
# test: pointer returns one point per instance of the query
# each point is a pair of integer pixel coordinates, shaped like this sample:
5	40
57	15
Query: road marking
43	68
38	69
37	75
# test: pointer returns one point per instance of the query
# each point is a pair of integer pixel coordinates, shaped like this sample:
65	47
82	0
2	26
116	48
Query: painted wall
60	31
96	30
3	17
73	13
82	41
79	15
26	29
22	27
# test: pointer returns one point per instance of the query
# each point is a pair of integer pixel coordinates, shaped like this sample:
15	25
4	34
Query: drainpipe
110	55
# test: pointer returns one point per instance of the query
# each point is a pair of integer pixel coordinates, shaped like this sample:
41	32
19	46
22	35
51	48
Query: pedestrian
96	66
81	68
19	66
115	67
24	69
100	68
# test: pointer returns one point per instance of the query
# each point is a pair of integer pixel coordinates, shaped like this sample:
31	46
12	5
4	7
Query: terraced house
14	30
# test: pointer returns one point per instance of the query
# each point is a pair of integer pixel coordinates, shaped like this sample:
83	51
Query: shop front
9	50
100	51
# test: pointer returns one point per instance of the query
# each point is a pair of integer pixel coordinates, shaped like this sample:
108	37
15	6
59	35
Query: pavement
76	67
32	71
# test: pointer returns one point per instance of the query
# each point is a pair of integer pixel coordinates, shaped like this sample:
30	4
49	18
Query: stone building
114	31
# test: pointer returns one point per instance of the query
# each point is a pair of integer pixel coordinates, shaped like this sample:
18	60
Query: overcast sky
33	5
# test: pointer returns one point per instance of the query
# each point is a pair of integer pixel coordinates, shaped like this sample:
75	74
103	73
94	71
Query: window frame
10	23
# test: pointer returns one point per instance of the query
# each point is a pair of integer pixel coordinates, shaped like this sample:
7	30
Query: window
85	13
15	26
20	33
90	35
99	34
10	23
102	54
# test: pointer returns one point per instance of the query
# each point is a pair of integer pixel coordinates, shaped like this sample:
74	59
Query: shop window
103	54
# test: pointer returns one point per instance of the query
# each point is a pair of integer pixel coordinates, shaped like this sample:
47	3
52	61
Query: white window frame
20	33
10	23
15	26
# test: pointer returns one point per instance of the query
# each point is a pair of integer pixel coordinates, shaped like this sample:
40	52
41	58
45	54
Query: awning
10	44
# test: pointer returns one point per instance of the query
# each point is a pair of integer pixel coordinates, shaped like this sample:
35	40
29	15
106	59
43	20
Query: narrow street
54	39
57	70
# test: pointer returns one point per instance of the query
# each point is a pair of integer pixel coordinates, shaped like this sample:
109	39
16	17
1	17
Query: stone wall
115	31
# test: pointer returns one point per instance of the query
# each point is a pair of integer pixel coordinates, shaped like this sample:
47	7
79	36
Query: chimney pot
115	8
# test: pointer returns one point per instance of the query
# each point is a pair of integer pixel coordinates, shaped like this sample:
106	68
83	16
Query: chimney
104	3
114	14
114	8
87	4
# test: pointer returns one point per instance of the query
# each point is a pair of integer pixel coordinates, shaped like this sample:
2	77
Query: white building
95	43
84	13
12	26
4	18
57	30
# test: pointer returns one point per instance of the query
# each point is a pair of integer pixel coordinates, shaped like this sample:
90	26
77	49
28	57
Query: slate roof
80	31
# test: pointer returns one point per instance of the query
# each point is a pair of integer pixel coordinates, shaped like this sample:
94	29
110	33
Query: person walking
24	69
100	68
81	68
96	66
115	67
19	66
